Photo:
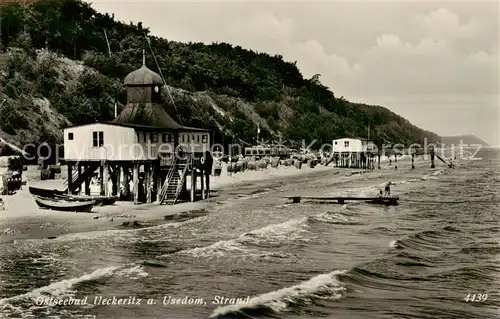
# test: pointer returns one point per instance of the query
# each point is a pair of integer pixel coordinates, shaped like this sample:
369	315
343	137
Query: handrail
169	177
74	177
183	176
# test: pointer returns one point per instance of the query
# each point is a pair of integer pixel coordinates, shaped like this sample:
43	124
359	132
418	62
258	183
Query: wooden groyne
343	199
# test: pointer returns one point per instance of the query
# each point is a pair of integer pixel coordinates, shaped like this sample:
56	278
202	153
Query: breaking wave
248	244
324	286
64	288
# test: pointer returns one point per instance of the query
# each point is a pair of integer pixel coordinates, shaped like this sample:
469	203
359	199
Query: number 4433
476	297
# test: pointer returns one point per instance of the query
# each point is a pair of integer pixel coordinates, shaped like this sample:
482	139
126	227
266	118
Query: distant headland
464	139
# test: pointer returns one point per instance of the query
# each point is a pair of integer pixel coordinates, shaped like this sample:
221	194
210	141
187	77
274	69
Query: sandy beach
22	219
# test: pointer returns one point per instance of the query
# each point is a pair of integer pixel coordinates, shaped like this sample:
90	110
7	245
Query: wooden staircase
172	186
73	178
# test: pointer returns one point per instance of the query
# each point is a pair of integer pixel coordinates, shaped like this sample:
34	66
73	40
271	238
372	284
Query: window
198	139
183	138
204	138
70	136
192	138
154	137
145	136
167	138
346	143
98	139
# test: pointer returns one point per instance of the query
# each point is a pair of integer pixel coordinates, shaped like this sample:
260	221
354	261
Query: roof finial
143	57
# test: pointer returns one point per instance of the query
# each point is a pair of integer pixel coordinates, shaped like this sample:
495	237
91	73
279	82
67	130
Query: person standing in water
388	189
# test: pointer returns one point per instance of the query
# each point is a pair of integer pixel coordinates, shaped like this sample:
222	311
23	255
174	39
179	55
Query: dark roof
147	114
143	76
155	128
354	138
144	127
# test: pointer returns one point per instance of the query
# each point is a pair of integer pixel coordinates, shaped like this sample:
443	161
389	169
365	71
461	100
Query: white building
352	145
143	138
353	152
130	142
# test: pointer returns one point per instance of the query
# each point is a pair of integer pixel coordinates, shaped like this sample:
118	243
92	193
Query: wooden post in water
378	161
433	165
412	161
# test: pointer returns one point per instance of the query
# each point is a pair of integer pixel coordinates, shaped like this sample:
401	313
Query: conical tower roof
143	76
147	113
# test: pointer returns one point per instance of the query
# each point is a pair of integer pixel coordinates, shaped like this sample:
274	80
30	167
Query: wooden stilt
126	181
412	161
135	180
70	177
193	184
202	181
87	182
378	164
158	184
105	179
184	191
79	167
149	179
208	185
118	180
101	183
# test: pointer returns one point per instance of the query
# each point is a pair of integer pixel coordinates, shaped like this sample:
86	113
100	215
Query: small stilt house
145	145
353	153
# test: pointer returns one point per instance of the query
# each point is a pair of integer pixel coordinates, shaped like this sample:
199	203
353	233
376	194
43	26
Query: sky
434	63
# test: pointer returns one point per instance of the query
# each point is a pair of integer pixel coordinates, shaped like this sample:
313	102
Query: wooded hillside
74	80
